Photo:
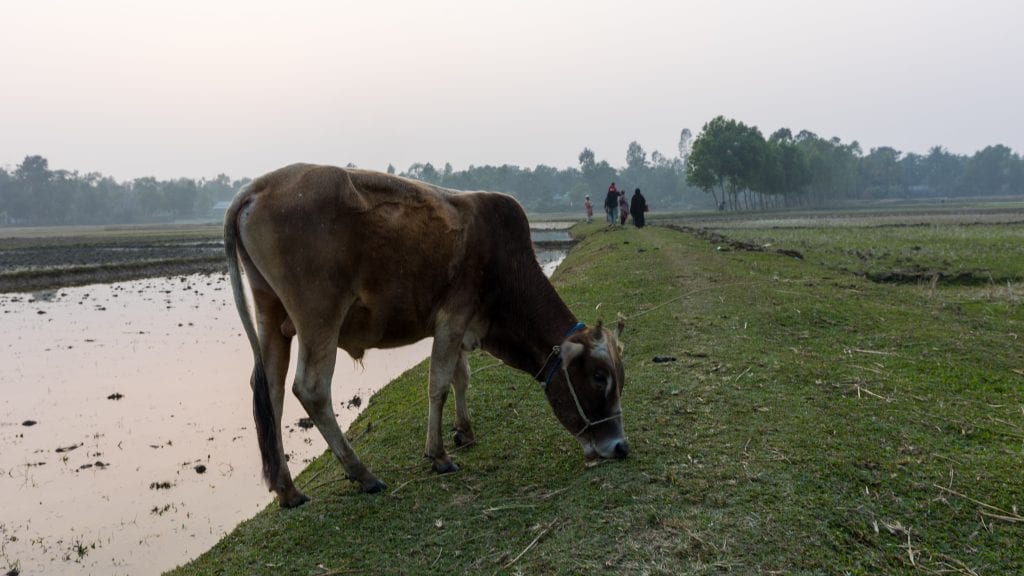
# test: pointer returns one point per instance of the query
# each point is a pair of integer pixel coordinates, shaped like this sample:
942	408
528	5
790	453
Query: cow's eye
601	376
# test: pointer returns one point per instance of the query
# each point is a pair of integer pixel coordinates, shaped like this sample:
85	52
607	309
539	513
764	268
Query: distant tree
34	200
636	157
880	172
833	166
151	197
180	196
727	157
34	170
992	171
391	168
685	145
943	172
596	175
912	175
586	159
448	171
7	185
425	172
786	173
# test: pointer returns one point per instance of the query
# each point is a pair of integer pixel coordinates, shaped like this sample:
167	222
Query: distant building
218	210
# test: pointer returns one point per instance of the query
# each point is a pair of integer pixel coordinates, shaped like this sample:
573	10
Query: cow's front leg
444	358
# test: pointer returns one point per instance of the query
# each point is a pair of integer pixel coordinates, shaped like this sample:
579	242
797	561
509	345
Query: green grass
814	423
959	253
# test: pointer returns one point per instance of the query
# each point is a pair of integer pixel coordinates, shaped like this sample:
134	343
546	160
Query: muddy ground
51	259
41	264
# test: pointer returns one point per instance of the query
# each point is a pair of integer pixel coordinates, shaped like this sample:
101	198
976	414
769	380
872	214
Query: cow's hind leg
275	348
460	382
313	388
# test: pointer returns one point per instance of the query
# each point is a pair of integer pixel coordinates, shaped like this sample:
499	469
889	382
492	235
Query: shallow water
112	485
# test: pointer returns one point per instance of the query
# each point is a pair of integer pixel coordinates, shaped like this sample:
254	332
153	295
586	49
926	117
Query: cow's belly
382	326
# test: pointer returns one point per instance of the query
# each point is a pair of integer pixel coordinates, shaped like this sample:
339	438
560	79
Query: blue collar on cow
550	372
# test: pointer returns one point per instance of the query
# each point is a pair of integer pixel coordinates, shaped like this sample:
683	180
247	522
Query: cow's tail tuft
262	406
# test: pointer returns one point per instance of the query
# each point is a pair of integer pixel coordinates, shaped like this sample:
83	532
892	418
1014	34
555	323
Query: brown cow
354	259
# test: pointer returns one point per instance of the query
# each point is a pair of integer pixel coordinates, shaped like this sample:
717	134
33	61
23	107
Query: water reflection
141	451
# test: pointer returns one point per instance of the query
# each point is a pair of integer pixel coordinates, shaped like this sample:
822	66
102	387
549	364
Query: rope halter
556	365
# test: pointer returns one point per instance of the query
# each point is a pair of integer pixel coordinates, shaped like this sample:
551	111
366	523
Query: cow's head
585	389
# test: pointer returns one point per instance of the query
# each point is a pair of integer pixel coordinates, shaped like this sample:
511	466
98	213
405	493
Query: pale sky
194	88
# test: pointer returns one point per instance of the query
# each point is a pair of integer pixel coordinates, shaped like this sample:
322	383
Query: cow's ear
620	326
597	332
570	351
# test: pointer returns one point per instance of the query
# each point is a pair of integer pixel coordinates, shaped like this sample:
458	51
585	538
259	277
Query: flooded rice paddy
126	439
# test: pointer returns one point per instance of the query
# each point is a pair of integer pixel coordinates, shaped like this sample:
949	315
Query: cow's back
321	235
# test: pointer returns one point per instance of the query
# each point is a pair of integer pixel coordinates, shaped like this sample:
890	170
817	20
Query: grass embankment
813	423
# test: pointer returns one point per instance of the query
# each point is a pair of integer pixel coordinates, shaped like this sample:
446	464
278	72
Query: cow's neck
534	319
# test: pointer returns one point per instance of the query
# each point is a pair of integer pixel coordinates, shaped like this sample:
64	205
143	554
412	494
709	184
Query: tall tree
685	144
636	157
727	156
586	159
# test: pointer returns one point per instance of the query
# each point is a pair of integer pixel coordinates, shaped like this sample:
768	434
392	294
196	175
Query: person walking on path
589	207
623	208
611	205
637	207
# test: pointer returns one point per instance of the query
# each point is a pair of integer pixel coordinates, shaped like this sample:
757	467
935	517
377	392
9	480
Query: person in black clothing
637	207
611	205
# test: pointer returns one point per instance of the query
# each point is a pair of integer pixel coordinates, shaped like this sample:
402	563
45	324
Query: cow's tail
262	406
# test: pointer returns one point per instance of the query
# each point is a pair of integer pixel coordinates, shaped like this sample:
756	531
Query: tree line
33	194
728	166
742	170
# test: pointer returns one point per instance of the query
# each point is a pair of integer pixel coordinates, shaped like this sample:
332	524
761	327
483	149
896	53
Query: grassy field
814	422
948	253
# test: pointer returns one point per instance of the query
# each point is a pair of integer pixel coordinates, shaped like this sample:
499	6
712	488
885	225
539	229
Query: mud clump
924	275
726	244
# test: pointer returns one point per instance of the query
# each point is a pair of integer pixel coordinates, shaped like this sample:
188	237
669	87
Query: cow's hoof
292	500
464	438
374	487
445	467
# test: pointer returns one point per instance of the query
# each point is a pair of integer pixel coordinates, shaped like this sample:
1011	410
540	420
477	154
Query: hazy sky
198	87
